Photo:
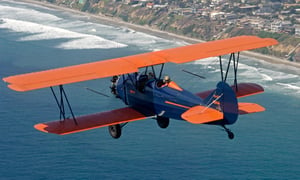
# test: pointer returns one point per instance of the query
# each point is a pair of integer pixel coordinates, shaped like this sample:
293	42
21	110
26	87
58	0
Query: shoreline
162	34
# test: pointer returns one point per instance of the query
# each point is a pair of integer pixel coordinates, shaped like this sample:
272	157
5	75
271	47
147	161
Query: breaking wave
289	86
74	40
24	13
77	34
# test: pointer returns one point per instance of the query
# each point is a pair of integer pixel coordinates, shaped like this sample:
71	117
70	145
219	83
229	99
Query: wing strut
235	67
161	70
61	103
235	59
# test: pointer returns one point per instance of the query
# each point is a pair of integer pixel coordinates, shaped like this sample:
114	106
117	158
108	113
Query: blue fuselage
148	97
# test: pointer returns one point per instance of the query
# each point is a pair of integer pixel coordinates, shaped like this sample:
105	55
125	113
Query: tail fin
224	99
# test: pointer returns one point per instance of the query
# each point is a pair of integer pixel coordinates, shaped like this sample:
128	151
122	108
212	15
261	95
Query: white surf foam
23	14
292	89
207	61
265	77
289	86
49	26
139	39
43	32
277	75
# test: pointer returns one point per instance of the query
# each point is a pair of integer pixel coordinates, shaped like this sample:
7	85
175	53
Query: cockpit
144	78
167	82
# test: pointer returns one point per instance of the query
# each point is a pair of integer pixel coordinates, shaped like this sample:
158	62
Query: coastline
166	35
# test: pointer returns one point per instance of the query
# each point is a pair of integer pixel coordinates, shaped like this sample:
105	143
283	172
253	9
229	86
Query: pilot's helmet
167	79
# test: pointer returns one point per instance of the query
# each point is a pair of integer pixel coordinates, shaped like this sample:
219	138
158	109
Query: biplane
148	95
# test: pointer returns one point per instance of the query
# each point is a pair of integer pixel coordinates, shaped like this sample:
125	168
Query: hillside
166	19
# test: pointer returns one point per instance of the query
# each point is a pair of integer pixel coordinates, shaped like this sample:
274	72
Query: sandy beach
117	22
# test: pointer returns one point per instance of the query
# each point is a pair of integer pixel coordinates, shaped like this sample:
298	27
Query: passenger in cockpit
164	82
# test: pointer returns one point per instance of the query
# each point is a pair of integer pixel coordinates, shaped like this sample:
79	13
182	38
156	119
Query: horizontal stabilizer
91	121
242	90
202	114
248	108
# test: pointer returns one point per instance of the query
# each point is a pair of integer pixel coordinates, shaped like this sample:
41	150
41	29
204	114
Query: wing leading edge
129	64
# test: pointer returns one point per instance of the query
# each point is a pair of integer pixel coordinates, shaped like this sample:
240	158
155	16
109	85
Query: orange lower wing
91	121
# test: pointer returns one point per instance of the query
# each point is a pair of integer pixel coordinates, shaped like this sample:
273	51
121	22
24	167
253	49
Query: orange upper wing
129	64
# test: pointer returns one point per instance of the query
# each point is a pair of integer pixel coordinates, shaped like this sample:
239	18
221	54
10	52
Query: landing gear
162	122
230	134
115	131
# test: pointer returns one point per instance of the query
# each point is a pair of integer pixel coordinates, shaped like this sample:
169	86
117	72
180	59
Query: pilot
150	75
166	81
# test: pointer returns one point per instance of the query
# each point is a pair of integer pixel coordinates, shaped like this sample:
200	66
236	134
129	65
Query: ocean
34	38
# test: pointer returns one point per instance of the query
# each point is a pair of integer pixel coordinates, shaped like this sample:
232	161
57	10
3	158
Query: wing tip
41	127
16	88
271	41
12	85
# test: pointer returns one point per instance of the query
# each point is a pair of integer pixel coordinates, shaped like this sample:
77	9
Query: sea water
34	38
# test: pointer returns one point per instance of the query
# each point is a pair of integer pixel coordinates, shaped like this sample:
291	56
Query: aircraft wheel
230	135
115	131
162	122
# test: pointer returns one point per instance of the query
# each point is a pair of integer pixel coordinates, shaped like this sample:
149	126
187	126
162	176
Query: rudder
224	99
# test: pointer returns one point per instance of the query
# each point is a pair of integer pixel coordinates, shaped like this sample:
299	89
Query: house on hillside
282	26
